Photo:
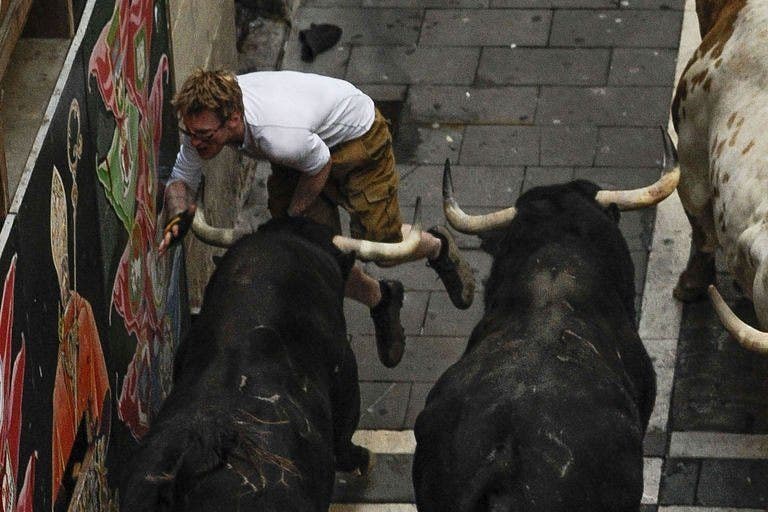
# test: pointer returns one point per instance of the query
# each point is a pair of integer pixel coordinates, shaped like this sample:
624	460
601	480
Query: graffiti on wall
133	93
11	390
81	393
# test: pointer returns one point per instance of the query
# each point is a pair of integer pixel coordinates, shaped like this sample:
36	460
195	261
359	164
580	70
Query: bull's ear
491	241
613	212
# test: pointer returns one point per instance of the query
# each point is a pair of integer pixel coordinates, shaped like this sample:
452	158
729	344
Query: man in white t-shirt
329	147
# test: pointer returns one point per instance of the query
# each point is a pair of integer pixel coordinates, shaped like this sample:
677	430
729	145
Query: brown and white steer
720	111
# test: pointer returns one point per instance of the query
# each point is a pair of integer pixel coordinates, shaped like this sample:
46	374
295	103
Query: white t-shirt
291	119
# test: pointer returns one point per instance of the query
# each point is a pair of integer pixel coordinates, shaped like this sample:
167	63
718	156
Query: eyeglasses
204	136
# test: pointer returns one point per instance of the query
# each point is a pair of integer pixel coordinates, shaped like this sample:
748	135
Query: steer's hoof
697	276
688	292
366	466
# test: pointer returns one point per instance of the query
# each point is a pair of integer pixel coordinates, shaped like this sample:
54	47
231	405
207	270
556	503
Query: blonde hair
216	91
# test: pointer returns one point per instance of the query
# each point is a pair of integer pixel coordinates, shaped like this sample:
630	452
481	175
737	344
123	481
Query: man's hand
176	228
307	190
178	202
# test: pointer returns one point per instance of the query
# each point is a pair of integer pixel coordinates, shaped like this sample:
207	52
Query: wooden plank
50	19
10	29
71	18
3	167
3	9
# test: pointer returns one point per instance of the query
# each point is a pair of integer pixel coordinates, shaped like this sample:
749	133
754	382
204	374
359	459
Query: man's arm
188	166
179	193
179	209
307	190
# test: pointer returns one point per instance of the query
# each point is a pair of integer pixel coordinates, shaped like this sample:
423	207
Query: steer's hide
720	111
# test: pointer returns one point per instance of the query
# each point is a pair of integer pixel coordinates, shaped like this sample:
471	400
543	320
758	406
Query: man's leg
385	299
452	269
429	246
442	253
370	196
362	287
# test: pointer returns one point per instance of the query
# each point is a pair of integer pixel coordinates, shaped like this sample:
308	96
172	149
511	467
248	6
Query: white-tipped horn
652	194
366	250
219	237
470	224
747	336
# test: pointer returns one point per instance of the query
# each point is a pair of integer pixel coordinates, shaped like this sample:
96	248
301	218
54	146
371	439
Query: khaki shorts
363	181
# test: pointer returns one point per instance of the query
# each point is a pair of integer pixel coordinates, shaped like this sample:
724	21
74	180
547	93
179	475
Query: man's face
207	133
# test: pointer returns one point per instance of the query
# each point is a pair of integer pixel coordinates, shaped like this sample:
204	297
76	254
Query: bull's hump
736	46
717	22
553	286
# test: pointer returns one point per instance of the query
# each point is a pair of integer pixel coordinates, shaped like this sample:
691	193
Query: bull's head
623	199
364	250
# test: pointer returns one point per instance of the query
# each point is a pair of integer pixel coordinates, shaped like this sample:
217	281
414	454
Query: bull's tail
494	487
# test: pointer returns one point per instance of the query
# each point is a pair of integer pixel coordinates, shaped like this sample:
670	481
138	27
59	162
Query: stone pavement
519	93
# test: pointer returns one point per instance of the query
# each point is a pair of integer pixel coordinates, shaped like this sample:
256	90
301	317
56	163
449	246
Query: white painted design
373	507
386	441
59	236
706	509
651	480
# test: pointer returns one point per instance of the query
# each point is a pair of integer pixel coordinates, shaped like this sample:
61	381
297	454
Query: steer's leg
700	271
697	193
345	400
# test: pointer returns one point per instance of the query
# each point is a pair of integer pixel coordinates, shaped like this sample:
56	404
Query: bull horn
747	336
218	237
652	194
367	250
470	224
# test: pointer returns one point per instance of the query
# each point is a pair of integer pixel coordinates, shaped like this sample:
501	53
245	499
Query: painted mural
133	94
90	315
81	393
11	387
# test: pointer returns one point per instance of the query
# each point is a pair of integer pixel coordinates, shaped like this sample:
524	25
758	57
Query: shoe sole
463	270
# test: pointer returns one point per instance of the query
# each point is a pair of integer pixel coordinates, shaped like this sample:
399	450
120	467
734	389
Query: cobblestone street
520	93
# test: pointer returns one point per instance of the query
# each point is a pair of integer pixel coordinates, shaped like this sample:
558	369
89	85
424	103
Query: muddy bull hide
547	408
265	396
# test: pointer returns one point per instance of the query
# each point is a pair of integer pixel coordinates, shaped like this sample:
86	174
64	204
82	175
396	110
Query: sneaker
453	270
390	336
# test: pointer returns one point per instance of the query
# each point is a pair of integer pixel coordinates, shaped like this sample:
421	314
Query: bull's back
278	280
273	263
249	424
529	429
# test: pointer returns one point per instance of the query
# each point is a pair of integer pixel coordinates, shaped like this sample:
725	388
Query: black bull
266	397
547	408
